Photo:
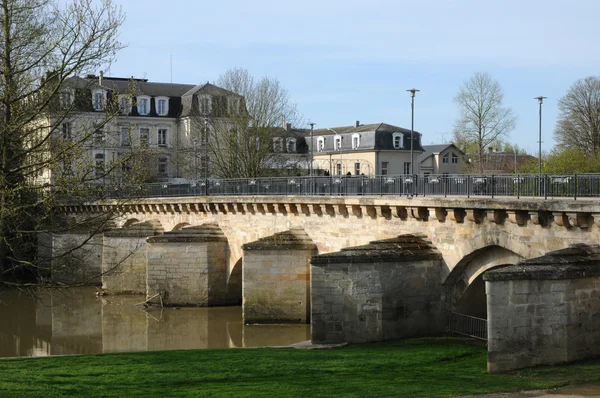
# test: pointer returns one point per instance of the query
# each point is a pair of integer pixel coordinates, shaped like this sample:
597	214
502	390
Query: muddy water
78	322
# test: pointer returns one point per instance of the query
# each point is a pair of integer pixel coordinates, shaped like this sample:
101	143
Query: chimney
283	124
288	126
490	149
100	78
356	123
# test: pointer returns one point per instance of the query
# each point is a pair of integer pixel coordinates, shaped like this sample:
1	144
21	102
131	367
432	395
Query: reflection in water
78	322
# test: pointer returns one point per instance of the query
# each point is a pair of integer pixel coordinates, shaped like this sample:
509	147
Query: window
144	136
205	104
445	158
357	168
337	143
406	167
233	105
66	98
320	144
125	141
398	140
99	99
162	137
66	131
338	169
355	141
454	158
98	133
99	163
162	106
290	144
277	144
162	166
125	104
384	168
143	105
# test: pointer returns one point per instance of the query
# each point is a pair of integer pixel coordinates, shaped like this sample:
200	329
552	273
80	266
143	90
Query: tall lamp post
341	154
206	156
412	92
310	166
540	101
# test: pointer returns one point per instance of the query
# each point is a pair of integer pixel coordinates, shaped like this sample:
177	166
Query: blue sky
353	60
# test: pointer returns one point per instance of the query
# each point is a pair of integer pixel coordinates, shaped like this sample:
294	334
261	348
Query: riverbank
433	367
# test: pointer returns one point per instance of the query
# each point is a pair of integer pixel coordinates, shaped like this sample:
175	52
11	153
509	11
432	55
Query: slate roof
361	129
137	86
436	148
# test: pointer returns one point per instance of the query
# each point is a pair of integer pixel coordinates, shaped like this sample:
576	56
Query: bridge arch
129	222
180	226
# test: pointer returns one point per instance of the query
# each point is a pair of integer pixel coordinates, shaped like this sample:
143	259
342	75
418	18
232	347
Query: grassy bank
411	368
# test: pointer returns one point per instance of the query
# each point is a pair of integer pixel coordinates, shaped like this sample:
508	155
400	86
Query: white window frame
355	141
384	168
406	168
99	105
147	129
320	144
164	141
401	140
99	135
290	145
99	164
357	168
165	111
277	144
145	98
337	143
67	131
125	104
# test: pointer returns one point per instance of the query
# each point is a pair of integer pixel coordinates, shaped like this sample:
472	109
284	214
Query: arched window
125	104
277	144
337	142
355	141
290	145
143	104
320	144
162	106
99	99
398	140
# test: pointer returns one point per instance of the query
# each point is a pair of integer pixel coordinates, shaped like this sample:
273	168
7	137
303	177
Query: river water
75	321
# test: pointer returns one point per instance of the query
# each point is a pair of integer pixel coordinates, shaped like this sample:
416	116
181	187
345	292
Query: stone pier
545	310
124	257
77	257
276	278
388	289
188	267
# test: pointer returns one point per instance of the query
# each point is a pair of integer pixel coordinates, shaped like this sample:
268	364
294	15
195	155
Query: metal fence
548	186
467	325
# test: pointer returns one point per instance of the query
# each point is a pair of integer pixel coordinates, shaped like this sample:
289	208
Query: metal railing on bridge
548	186
467	325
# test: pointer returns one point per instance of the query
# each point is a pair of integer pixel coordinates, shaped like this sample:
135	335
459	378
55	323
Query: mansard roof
209	89
131	86
362	128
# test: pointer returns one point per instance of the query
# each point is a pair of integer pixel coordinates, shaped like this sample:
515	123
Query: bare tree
483	120
578	126
240	141
43	44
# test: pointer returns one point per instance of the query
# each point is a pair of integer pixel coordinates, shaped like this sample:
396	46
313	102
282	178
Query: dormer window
337	142
355	141
143	104
125	104
454	158
320	144
278	144
233	105
445	158
66	98
398	139
290	145
99	99
162	106
205	104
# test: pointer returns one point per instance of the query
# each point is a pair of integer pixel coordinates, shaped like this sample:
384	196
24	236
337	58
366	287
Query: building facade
442	159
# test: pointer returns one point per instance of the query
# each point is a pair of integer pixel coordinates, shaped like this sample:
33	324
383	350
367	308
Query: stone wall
276	278
545	310
386	290
124	258
77	258
187	267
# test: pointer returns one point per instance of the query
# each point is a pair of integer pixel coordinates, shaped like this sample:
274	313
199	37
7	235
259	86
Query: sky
350	60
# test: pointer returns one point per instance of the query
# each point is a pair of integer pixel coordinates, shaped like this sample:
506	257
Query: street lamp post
540	101
310	166
206	156
412	92
341	153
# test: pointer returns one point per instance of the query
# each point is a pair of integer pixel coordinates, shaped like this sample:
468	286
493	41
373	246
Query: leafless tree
578	125
44	43
483	119
240	141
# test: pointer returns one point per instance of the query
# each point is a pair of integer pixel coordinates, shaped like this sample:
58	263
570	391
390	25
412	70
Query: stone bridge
295	259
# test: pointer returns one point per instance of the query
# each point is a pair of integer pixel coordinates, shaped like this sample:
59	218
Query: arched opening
466	295
234	285
130	222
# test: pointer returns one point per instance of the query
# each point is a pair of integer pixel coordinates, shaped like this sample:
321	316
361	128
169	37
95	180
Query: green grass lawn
433	367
